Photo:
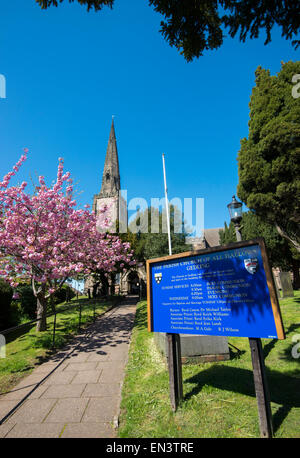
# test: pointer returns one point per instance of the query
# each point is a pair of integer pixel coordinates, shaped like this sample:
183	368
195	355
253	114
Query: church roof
212	236
209	239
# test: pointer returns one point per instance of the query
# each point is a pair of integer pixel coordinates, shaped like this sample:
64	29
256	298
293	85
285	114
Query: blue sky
68	71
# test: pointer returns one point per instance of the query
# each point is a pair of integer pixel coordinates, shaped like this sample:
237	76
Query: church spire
111	174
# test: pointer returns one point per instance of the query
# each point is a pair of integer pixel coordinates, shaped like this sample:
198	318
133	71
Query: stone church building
134	280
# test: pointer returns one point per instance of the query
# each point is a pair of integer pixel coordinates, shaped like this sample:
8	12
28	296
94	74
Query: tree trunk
41	324
294	242
296	275
95	287
112	284
104	284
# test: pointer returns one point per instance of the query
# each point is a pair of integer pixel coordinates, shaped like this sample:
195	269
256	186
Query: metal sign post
175	370
261	388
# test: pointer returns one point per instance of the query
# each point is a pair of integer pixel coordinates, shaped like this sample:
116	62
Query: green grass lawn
219	398
26	348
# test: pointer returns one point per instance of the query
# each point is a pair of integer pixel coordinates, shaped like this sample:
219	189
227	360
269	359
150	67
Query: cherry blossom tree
44	239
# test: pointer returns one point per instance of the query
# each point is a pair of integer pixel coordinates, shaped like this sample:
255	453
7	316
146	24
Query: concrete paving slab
96	390
87	377
114	375
32	411
98	358
31	380
77	357
37	393
118	355
101	410
69	410
88	430
36	430
88	366
60	378
5	428
63	391
6	407
46	368
18	393
108	366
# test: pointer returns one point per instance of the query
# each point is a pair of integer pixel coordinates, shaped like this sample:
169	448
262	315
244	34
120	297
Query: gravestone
276	286
286	284
197	349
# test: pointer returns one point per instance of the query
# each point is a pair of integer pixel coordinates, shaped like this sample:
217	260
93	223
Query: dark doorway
133	283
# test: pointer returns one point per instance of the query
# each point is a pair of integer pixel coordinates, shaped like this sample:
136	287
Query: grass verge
26	348
219	398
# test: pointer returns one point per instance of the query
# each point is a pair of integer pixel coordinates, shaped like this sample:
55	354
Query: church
134	280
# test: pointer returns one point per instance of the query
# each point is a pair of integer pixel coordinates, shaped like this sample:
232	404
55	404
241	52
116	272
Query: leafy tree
281	252
193	26
148	244
269	160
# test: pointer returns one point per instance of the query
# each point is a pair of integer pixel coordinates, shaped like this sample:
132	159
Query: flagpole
167	205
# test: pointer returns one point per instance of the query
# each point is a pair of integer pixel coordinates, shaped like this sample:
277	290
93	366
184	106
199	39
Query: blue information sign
226	291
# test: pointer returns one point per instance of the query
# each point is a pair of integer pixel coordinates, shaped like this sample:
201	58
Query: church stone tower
110	193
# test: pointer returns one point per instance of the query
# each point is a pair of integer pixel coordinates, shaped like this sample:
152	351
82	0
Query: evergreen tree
269	160
281	253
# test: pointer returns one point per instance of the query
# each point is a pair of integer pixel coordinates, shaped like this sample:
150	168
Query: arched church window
107	176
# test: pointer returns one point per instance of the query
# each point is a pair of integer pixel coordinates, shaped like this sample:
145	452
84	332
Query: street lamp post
259	371
236	214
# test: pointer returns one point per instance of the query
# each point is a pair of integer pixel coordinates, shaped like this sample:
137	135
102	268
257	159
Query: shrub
27	301
6	293
63	294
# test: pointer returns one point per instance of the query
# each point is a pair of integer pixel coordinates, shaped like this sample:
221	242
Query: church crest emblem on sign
251	265
158	277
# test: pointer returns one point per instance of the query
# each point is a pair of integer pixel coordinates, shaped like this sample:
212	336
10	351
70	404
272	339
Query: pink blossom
44	239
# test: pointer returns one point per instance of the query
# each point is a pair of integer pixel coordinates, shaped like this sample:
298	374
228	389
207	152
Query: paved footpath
77	393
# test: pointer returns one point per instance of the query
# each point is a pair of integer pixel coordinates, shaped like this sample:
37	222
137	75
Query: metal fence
56	312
